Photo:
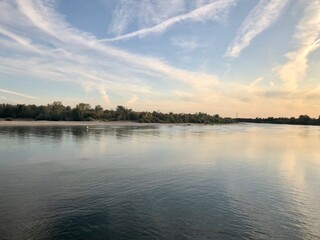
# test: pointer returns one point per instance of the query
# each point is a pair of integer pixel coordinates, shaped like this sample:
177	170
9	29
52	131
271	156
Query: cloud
153	12
60	52
143	13
54	51
122	16
307	38
196	15
185	96
184	43
256	82
132	100
22	41
41	46
105	96
17	94
261	17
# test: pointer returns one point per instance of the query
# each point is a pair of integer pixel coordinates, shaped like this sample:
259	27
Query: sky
254	58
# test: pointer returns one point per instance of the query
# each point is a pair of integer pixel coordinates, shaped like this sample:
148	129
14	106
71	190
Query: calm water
243	181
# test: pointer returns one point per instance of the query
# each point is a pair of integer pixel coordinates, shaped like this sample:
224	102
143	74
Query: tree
80	110
83	111
56	111
98	110
123	113
147	118
304	119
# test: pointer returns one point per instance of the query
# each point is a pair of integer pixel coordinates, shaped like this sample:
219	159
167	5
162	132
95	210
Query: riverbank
32	123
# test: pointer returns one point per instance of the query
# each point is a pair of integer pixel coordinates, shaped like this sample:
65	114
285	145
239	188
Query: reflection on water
243	181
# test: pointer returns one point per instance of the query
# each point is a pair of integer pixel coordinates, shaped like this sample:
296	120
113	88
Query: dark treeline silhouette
84	112
301	120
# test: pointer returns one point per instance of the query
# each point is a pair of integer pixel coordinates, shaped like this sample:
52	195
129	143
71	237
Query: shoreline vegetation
44	123
84	112
301	120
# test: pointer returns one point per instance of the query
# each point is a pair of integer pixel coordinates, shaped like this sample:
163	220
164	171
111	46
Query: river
238	181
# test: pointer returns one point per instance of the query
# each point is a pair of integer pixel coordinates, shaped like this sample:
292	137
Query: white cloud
262	16
122	16
42	46
17	94
144	13
153	12
105	96
199	14
76	54
185	96
256	82
185	43
132	101
307	37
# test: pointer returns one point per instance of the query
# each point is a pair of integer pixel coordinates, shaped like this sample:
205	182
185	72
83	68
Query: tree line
301	120
84	112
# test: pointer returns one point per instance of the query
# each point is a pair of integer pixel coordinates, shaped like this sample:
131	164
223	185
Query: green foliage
98	110
83	112
302	120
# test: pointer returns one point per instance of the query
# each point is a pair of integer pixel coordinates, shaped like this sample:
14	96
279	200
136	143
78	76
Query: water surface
241	181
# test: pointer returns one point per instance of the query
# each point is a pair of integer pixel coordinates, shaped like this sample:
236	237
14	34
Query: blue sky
251	57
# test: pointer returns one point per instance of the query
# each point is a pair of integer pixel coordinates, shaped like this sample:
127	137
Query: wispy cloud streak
195	15
17	94
121	16
145	13
307	37
262	16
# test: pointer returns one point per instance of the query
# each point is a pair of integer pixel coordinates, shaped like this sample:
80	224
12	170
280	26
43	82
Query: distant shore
33	123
